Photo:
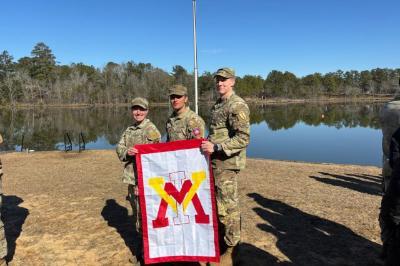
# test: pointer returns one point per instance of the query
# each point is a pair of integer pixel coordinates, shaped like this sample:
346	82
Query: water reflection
335	133
336	115
44	128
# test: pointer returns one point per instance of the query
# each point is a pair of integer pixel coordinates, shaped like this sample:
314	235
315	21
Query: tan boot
132	260
227	257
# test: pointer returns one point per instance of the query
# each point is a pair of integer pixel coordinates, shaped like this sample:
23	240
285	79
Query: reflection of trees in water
44	128
337	115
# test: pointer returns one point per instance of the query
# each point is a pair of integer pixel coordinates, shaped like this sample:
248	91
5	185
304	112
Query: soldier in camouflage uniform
390	207
228	139
390	121
183	122
3	241
142	131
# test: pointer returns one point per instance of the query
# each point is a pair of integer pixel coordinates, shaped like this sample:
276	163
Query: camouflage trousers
3	241
137	221
386	173
228	205
136	213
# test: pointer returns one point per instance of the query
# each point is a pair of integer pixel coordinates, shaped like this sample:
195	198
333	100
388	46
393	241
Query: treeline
38	79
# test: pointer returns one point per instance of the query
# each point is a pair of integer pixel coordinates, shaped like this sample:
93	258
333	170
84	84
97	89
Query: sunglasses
174	96
138	108
219	78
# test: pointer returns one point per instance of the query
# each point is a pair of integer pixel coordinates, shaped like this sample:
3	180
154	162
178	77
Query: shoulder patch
153	134
242	116
196	127
196	133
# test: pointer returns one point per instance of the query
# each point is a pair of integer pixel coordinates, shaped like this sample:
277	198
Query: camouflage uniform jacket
389	216
183	126
390	121
144	133
230	127
3	241
1	171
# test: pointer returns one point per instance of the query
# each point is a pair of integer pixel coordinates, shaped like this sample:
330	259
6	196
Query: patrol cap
142	102
225	72
177	90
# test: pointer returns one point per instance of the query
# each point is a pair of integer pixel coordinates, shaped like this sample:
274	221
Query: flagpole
195	57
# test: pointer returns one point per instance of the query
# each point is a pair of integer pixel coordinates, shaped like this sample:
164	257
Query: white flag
177	200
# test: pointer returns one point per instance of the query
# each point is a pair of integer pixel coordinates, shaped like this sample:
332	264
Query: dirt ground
70	209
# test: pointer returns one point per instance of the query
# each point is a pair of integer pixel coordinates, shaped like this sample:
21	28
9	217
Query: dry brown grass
70	209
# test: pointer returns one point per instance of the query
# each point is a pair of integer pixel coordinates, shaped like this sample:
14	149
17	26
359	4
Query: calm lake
337	133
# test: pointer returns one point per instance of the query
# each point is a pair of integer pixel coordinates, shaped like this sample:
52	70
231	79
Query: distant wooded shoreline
268	101
39	80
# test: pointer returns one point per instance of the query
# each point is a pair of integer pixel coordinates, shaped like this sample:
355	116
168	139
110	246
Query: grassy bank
322	99
70	209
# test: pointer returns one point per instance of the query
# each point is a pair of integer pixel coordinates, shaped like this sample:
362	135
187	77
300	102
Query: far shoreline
258	101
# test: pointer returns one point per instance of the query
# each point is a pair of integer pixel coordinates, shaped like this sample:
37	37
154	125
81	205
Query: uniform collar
141	125
181	115
222	100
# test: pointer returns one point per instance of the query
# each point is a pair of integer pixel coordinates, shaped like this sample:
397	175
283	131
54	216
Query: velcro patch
242	116
196	131
153	134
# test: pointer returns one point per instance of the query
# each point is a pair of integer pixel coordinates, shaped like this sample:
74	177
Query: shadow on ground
254	256
374	178
117	217
13	218
362	183
310	240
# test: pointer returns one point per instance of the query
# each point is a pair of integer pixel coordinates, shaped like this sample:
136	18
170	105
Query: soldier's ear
233	81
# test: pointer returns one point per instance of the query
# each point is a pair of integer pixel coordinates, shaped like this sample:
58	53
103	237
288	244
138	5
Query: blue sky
253	36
